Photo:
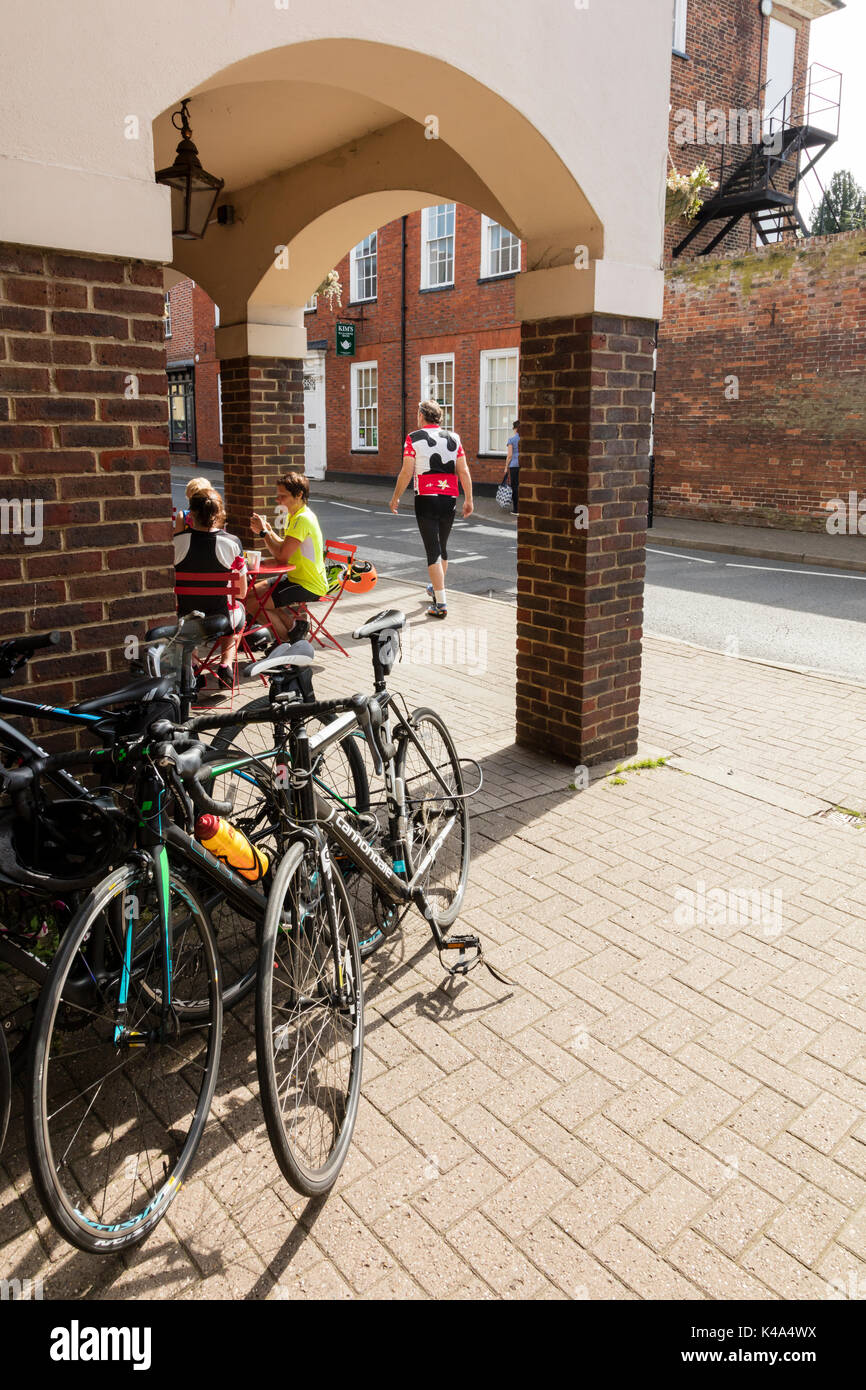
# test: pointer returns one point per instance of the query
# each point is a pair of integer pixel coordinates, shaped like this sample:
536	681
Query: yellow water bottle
231	847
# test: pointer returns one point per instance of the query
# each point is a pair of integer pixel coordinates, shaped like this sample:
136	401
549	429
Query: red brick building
195	418
431	301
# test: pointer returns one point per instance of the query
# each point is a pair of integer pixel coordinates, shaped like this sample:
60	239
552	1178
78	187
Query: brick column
84	441
263	433
585	412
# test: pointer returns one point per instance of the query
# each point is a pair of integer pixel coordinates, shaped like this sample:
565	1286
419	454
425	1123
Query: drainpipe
652	458
759	103
403	335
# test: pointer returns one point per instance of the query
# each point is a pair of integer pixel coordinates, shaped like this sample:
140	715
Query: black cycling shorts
287	593
435	517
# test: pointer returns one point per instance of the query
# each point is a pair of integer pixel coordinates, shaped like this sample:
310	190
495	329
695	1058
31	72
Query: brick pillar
585	412
84	436
263	433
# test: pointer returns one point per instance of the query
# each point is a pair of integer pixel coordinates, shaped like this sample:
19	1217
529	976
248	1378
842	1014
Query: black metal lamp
193	190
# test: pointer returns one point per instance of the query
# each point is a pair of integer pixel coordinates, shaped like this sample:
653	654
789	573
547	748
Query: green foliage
843	207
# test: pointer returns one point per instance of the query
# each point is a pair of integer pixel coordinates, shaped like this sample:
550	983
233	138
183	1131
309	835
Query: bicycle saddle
142	691
192	629
284	658
390	620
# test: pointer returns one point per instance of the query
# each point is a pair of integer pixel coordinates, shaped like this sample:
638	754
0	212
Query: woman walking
512	463
436	459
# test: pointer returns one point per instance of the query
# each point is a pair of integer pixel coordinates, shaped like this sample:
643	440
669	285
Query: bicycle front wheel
117	1099
435	802
309	1023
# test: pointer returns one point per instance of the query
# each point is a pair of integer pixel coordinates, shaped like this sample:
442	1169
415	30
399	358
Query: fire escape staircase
765	184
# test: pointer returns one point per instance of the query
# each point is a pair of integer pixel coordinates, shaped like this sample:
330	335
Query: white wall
588	87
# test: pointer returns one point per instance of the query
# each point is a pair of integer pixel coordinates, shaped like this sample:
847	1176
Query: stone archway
350	120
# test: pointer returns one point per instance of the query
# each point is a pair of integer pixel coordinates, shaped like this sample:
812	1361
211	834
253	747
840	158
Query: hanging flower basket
683	193
331	289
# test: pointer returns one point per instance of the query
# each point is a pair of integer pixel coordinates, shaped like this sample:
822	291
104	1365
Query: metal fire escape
765	184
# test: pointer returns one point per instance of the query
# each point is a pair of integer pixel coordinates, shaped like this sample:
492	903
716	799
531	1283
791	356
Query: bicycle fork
155	858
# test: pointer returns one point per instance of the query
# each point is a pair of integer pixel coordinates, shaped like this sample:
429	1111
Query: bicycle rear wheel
5	1088
432	801
309	1024
260	812
112	1125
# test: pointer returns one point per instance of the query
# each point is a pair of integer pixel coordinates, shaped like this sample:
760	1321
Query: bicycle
426	803
126	1039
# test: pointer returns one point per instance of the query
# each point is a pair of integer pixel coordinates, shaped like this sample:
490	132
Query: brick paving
658	1107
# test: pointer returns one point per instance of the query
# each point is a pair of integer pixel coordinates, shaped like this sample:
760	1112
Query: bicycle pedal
461	944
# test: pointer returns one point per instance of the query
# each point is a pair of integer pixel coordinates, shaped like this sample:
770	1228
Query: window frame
446	357
484	445
486	272
681	24
312	304
425	243
354	259
357	368
167	314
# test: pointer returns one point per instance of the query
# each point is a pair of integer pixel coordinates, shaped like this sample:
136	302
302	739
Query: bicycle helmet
70	844
361	578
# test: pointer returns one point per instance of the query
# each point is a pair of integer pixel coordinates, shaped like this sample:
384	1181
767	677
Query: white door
315	433
780	73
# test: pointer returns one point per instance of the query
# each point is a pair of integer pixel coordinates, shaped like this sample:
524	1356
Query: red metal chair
336	553
190	585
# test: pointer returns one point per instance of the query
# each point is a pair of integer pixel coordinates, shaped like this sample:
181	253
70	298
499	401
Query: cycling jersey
435	452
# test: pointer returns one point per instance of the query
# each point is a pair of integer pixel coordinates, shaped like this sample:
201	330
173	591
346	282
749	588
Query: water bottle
231	847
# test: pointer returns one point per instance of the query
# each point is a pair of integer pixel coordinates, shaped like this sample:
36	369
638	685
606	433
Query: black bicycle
309	1014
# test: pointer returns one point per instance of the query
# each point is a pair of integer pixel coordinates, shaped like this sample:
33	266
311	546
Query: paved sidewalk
668	1102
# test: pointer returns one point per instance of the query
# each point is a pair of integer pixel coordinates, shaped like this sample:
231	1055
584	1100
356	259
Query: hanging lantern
193	190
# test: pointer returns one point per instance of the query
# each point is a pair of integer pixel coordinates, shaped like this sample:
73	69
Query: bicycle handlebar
26	646
185	756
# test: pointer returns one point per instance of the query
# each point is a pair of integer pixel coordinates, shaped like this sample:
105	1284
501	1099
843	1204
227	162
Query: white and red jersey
435	452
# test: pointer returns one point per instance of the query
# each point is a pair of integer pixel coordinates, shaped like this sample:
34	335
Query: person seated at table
182	520
301	548
205	549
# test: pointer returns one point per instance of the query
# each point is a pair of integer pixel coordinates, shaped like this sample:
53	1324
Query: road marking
465	559
358	536
491	531
345	505
675	555
816	574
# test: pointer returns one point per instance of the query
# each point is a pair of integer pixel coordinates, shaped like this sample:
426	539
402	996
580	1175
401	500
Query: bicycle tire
352	786
5	1088
342	777
427	810
285	962
259	813
172	1118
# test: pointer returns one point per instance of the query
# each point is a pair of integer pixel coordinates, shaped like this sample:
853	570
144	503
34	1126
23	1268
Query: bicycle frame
298	776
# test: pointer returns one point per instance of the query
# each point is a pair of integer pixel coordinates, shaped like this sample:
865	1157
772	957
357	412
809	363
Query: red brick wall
722	66
790	324
465	320
585	408
193	323
263	431
79	336
179	347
